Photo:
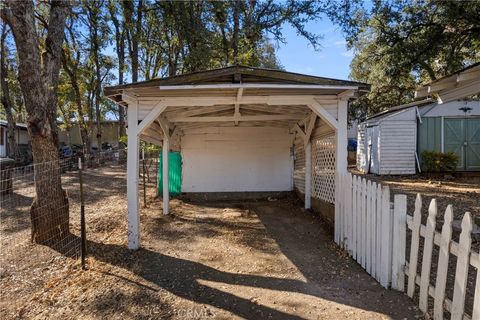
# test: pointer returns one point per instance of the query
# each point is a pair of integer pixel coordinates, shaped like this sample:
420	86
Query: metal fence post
82	217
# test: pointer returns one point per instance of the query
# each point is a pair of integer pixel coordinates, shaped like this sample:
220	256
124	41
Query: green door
174	174
472	148
455	139
462	136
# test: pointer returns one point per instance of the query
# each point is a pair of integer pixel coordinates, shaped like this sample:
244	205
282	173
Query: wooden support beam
341	137
132	178
348	94
300	131
150	139
310	127
197	111
165	125
323	114
151	116
240	118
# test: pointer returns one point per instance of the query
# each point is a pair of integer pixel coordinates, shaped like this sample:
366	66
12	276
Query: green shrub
434	161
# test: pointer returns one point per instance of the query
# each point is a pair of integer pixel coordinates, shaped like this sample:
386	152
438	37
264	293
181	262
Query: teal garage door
462	136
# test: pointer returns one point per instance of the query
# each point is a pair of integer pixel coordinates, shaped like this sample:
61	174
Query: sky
332	60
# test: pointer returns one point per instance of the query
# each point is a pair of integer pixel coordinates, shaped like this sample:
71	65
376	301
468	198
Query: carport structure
239	129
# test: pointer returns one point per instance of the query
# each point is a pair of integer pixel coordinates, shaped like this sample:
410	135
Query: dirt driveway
254	260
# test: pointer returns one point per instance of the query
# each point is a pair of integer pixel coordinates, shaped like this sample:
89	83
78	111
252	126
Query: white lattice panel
323	168
299	167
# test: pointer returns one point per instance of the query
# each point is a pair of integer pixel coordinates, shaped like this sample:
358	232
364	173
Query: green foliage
401	43
434	161
149	149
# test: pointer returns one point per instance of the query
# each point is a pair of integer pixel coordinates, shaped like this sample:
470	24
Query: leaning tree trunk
49	211
38	76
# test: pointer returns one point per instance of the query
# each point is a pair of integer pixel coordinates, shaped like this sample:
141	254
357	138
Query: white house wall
237	159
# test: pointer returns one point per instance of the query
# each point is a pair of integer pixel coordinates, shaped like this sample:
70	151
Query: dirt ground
253	260
462	193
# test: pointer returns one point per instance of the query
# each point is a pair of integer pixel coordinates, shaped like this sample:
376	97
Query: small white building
239	129
21	136
391	142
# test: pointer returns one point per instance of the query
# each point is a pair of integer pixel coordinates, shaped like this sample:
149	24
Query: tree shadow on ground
181	277
300	239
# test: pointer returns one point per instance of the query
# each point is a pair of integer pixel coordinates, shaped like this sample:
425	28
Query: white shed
392	142
240	129
387	141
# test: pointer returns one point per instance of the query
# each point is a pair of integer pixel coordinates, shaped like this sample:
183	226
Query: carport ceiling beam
240	118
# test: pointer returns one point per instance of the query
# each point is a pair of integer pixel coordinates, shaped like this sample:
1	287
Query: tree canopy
112	41
399	44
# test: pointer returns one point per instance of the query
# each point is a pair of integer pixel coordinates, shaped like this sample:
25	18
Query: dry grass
255	260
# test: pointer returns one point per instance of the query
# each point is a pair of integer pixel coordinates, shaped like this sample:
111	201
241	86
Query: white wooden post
368	233
415	243
337	208
308	174
442	269
341	137
378	248
340	162
363	234
386	254
476	301
461	272
132	178
373	229
165	152
354	217
399	241
427	255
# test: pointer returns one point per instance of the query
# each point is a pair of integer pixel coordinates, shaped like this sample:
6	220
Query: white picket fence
373	231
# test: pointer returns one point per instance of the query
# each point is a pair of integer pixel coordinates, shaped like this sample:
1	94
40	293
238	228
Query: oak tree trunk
38	76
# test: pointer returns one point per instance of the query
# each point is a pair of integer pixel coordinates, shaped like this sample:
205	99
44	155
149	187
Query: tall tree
133	15
71	61
94	17
400	43
38	73
119	27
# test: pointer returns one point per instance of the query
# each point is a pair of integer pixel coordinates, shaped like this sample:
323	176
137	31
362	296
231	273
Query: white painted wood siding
397	141
361	150
236	159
